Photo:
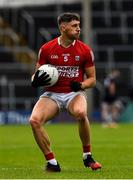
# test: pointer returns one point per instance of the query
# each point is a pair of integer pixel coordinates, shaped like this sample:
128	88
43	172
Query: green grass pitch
20	157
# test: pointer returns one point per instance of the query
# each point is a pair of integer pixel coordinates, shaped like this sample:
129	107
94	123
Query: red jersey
70	62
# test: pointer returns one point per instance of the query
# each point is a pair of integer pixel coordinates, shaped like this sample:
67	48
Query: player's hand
75	86
40	80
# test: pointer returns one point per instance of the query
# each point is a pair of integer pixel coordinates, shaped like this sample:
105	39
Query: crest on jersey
65	57
77	58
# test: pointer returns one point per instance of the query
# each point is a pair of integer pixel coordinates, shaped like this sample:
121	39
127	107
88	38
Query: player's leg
106	114
116	110
44	110
78	108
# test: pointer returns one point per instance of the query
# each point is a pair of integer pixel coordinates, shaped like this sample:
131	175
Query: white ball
51	71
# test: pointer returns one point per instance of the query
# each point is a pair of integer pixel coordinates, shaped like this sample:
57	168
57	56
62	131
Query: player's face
72	30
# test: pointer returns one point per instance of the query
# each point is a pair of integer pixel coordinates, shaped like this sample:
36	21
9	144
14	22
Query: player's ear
62	27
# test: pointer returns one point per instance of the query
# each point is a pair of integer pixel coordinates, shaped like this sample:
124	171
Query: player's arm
36	68
90	81
89	71
40	78
112	88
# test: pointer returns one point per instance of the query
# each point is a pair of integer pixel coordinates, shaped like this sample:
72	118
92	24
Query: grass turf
20	157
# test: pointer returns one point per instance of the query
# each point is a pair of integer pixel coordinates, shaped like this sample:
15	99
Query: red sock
49	156
87	148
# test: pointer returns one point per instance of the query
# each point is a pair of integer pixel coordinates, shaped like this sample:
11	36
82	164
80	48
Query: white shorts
62	99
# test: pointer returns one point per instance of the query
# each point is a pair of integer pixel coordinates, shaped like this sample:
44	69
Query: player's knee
34	122
80	114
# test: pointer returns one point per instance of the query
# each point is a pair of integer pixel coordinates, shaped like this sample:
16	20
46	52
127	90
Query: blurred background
106	25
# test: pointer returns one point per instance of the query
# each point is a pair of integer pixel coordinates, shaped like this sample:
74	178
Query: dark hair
68	17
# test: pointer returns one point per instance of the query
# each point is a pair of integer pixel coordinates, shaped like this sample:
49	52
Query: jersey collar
73	43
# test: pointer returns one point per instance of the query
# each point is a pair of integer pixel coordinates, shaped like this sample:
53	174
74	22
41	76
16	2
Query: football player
73	59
